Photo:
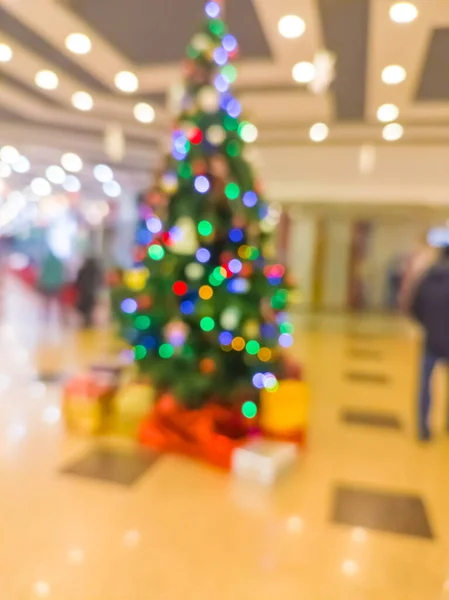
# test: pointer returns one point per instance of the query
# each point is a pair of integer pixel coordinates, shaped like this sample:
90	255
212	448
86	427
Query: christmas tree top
204	306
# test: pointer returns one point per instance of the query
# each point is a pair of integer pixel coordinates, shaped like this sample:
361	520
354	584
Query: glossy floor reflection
364	516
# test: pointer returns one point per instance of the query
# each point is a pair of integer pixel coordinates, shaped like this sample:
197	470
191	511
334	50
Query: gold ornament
136	279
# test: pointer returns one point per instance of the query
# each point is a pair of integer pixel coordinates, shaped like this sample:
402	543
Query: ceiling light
71	162
82	101
126	82
350	568
72	184
319	132
393	74
55	174
103	173
40	187
403	12
78	43
144	112
112	189
392	132
5	53
47	80
9	154
304	72
5	170
387	113
291	26
22	165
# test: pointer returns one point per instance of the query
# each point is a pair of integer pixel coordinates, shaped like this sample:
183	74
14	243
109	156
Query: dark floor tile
115	466
363	377
365	353
394	513
370	419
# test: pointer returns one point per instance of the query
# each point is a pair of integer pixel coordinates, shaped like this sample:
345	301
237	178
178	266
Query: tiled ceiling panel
345	27
434	83
157	32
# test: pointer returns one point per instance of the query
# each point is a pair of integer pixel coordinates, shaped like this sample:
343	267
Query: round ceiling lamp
393	74
291	26
304	72
387	113
5	53
47	80
82	101
319	132
126	82
78	43
403	12
392	132
144	112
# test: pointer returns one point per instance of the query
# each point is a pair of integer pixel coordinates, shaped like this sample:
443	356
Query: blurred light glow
78	43
392	132
103	173
132	538
127	82
55	174
5	53
144	112
202	184
5	170
72	184
22	165
304	72
82	101
349	568
41	589
393	74
291	26
51	415
212	10
75	556
319	132
295	524
40	187
71	162
249	133
9	155
46	80
403	12
112	189
387	113
230	43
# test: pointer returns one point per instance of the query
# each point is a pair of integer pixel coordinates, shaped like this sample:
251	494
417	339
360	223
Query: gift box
131	405
86	404
284	412
210	433
263	461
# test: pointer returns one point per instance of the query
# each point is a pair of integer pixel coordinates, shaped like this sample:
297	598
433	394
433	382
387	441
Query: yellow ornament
136	279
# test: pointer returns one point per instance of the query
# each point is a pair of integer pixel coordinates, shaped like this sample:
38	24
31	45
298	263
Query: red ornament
196	136
246	270
229	273
180	288
167	239
207	365
143	302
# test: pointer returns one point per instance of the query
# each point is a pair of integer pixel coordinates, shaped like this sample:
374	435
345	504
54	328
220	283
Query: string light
264	354
143	322
250	199
236	235
129	306
238	344
203	255
248	132
225	338
205	292
205	228
285	340
230	43
207	324
166	351
156	252
154	224
140	352
220	56
202	184
235	266
258	381
212	10
252	347
180	288
187	307
249	409
232	191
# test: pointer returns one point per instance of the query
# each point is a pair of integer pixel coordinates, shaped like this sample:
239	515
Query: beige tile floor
188	532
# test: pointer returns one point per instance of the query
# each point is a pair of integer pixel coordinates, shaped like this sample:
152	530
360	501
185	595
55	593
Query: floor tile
391	512
370	418
106	464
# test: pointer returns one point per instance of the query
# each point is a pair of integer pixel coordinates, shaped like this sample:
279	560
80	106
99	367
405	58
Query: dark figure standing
430	306
87	284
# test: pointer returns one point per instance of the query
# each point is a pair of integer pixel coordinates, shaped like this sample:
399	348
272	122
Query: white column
301	255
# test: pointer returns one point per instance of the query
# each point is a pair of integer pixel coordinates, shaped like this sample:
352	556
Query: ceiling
148	38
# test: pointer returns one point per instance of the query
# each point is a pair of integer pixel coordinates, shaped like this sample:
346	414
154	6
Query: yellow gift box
86	405
285	410
132	403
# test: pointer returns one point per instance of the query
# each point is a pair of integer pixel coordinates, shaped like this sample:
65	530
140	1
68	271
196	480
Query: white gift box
263	460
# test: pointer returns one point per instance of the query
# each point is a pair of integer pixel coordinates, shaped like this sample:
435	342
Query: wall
336	265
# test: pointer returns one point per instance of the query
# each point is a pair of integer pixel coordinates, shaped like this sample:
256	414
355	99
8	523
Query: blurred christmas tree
204	305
